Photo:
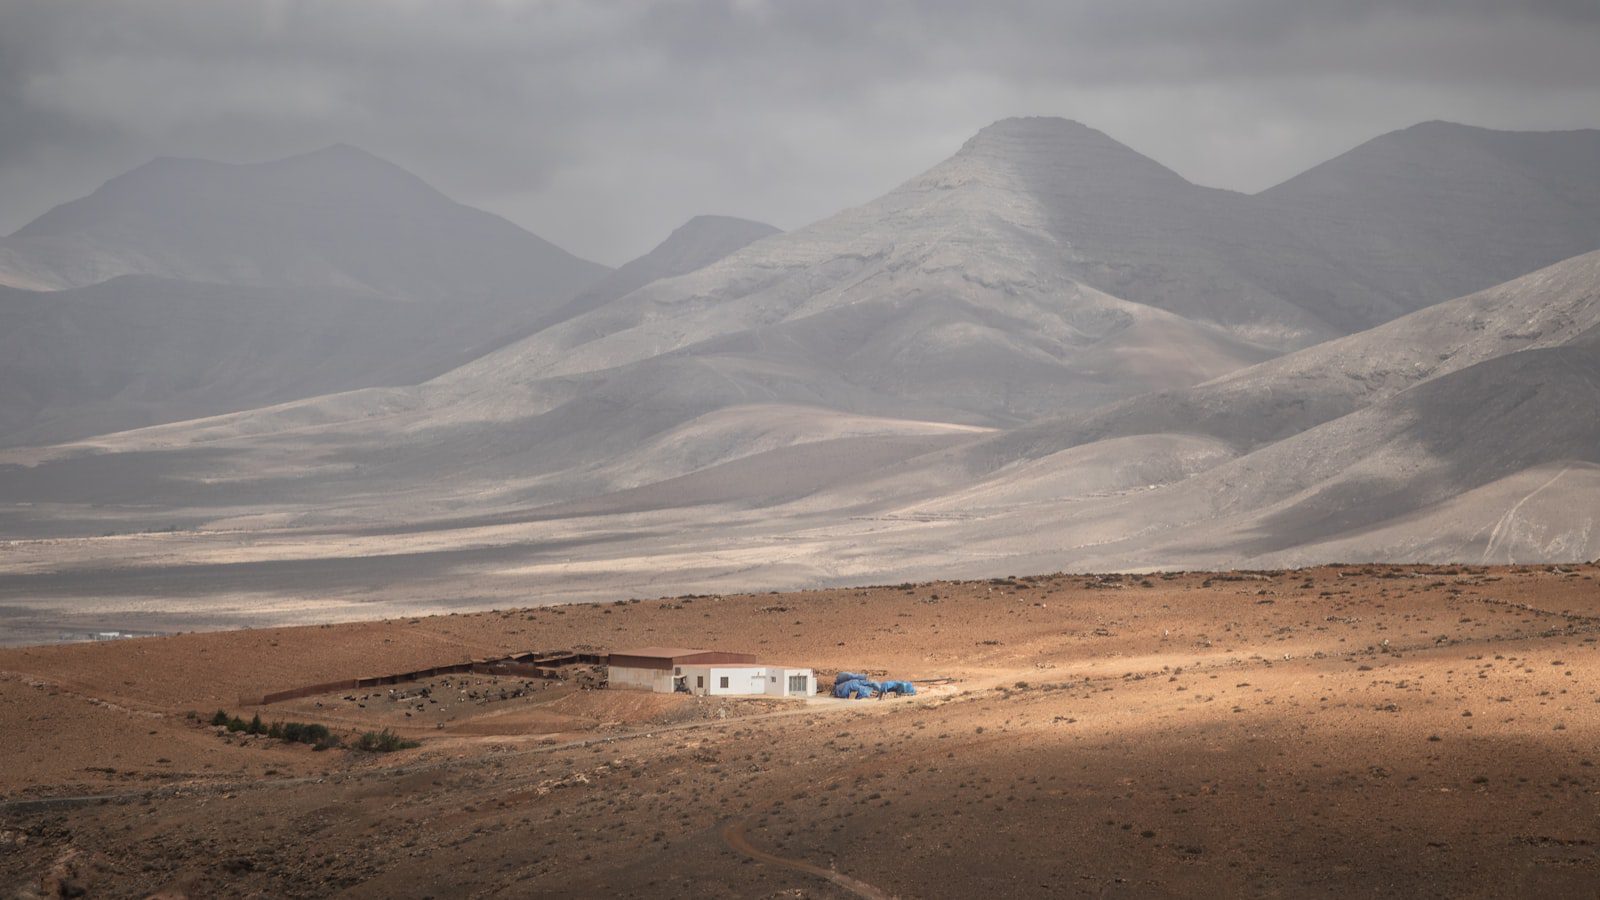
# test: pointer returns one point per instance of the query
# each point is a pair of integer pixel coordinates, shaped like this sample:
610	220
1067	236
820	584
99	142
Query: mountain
1043	270
1285	396
1460	432
1046	268
954	290
1045	352
138	350
187	288
693	245
950	300
335	218
1439	210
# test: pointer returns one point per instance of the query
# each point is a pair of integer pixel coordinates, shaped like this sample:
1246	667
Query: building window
678	670
724	681
774	679
797	684
699	681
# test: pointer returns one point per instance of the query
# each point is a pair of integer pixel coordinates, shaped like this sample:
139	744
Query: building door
758	684
797	685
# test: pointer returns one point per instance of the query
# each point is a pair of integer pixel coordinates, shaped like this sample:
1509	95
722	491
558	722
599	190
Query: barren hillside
1392	731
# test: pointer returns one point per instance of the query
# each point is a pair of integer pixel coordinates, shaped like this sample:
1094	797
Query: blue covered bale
857	689
905	688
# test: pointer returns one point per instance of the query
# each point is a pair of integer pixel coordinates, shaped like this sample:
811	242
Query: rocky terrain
1385	730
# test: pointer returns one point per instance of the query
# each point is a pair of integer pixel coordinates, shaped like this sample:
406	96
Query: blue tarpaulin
852	684
857	688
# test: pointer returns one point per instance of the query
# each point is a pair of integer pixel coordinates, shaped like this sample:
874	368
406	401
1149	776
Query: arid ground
1352	731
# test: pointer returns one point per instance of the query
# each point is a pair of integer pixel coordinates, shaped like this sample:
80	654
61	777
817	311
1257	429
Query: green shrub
304	733
384	741
293	732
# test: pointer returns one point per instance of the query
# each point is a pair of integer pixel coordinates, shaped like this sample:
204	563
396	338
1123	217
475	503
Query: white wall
782	687
690	673
740	681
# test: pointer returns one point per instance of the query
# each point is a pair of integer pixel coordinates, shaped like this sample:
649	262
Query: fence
528	664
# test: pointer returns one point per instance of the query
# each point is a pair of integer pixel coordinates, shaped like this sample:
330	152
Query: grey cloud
602	126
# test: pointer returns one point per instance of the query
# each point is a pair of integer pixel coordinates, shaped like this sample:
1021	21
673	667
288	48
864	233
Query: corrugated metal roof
658	652
668	657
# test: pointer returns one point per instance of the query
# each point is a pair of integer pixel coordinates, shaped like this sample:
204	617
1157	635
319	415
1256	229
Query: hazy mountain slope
1133	228
1488	462
137	351
1439	210
338	217
1395	461
1315	448
1289	394
693	245
1444	410
205	288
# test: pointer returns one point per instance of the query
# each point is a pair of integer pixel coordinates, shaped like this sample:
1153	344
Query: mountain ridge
338	217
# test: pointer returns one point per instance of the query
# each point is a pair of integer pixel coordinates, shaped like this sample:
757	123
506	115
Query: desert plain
1343	730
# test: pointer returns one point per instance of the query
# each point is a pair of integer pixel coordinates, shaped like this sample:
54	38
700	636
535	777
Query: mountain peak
714	225
1441	126
697	243
701	241
1035	125
1056	155
346	165
336	217
1036	132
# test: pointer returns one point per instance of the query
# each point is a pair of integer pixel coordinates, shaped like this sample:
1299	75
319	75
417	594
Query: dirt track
734	834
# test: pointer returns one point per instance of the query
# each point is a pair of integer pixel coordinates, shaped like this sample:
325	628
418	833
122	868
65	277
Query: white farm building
706	672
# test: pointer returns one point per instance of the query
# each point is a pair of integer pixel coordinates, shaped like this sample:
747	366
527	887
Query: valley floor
1373	730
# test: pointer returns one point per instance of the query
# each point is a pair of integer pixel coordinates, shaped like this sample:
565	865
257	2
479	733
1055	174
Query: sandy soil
1374	730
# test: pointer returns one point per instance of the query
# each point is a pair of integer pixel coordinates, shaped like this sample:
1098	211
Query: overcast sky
602	126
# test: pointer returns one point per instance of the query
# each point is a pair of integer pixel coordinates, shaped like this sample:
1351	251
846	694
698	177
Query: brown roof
658	652
668	657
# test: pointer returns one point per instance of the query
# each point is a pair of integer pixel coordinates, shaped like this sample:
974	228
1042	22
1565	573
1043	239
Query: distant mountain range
188	288
336	218
1045	352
